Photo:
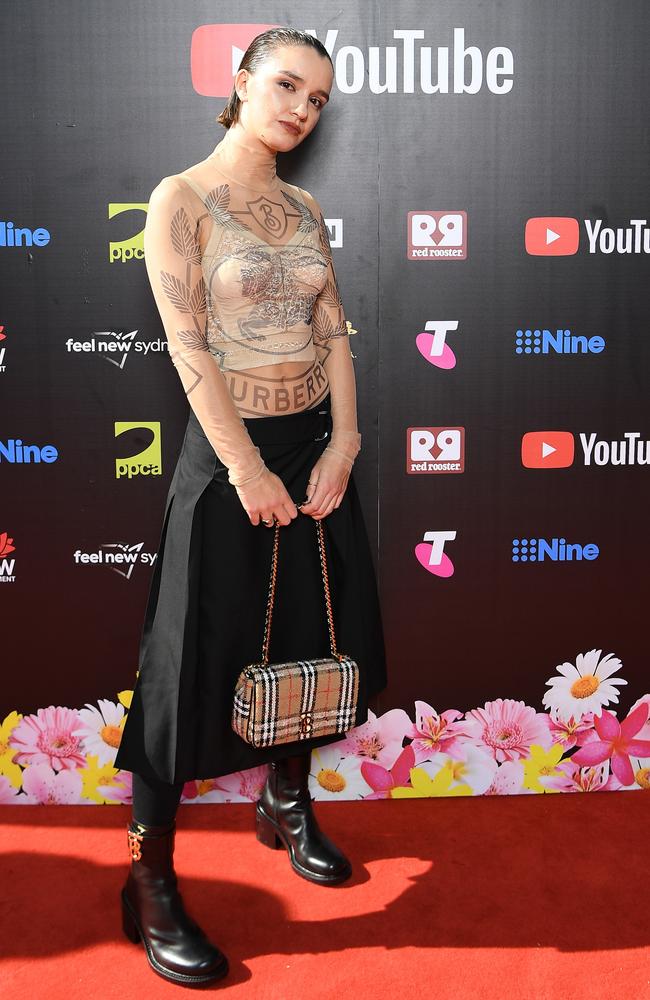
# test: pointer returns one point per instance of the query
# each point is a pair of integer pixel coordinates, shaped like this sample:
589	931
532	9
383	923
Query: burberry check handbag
278	703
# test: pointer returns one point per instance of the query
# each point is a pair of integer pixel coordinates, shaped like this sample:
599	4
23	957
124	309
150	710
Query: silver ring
265	522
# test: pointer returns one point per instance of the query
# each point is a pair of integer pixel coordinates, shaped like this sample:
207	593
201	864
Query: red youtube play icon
547	449
552	236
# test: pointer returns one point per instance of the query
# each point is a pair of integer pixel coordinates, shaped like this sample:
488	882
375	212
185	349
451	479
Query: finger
323	506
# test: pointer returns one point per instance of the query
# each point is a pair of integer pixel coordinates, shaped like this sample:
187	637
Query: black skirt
205	615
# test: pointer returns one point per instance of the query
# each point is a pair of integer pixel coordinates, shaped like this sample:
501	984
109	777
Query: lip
292	128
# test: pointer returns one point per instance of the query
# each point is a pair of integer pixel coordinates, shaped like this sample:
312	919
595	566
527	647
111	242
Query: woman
240	266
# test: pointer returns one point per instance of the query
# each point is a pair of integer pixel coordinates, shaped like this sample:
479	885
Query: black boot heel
129	925
153	912
285	805
265	832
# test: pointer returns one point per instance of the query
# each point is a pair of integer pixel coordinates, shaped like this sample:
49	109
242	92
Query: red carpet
541	897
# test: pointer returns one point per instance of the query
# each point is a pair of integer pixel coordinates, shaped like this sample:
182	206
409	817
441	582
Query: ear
241	82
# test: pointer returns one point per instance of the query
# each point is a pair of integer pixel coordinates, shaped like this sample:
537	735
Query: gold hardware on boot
135	844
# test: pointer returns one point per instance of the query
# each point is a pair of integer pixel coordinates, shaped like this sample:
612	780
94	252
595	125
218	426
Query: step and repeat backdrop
482	169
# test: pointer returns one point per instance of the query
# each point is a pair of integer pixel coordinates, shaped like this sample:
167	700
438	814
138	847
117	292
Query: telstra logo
431	554
431	343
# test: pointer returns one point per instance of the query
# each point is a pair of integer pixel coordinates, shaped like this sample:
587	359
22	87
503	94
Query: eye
319	103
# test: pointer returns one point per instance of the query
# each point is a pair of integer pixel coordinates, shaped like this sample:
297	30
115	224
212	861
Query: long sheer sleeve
332	342
173	262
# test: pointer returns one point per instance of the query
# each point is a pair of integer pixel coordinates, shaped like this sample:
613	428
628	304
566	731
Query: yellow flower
7	767
425	786
94	777
541	762
124	697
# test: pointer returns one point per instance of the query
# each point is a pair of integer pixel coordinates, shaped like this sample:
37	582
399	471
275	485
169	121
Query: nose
301	111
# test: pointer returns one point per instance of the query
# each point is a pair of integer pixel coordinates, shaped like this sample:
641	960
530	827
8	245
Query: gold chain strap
326	586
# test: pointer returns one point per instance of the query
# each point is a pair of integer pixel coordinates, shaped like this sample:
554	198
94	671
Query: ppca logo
132	248
437	236
431	554
146	462
432	343
7	566
435	449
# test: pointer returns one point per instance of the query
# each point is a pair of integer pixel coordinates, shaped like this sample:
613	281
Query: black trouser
155	802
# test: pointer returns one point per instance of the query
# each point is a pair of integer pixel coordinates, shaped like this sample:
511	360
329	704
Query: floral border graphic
65	755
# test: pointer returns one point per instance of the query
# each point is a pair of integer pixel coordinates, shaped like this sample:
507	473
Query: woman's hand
267	498
329	479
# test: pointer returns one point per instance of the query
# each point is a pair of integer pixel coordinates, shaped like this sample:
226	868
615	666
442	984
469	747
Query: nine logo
435	449
437	236
431	554
560	342
7	566
147	462
10	236
17	453
431	343
553	550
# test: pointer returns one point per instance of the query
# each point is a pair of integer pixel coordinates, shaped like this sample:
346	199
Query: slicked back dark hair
256	53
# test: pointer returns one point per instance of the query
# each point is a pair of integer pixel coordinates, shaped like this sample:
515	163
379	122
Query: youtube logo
547	449
552	236
216	51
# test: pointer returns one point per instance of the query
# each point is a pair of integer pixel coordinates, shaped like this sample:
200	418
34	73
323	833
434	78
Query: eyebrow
299	79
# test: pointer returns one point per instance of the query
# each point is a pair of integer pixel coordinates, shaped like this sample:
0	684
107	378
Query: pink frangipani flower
433	733
507	728
381	780
8	793
43	786
53	736
616	742
379	739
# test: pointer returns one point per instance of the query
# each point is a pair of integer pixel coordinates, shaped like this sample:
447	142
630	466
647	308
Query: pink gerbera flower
507	728
433	733
53	736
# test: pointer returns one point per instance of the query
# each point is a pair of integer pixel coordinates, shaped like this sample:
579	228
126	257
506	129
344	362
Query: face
292	85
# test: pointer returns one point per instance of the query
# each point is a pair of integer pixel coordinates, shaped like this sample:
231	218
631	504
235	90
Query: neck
247	160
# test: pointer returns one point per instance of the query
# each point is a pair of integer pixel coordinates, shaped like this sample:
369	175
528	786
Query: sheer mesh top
243	280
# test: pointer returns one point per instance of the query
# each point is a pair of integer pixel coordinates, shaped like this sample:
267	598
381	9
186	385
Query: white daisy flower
335	777
585	687
102	729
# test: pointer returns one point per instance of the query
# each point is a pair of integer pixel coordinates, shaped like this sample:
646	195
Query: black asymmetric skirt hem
205	614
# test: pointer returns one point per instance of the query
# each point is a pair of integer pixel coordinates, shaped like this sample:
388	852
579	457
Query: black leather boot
153	912
284	816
